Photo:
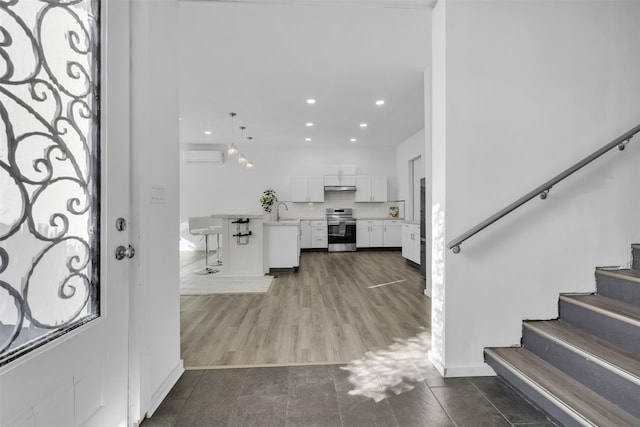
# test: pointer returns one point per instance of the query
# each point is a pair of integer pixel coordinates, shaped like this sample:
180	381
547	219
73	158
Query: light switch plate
157	193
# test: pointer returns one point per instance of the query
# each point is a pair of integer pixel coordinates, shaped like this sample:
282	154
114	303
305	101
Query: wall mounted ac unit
203	156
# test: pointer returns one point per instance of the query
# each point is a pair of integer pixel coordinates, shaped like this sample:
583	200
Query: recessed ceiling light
363	125
311	101
380	102
307	139
309	124
207	132
353	140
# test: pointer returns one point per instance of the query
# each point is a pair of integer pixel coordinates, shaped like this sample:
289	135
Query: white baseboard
469	371
463	371
158	396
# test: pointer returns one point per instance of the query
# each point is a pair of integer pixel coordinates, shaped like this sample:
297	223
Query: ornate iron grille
49	170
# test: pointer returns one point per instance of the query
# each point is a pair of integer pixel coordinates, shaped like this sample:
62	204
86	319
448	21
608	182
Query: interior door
79	377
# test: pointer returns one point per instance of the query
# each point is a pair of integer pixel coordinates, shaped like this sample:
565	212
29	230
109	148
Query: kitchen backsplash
342	200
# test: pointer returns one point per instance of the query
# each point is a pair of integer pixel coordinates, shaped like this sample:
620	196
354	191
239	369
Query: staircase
584	368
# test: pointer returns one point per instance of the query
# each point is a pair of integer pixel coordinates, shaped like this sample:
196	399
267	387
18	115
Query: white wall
523	90
419	145
155	334
406	152
207	188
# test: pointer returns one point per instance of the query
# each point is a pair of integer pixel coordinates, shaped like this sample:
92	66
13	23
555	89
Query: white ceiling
262	61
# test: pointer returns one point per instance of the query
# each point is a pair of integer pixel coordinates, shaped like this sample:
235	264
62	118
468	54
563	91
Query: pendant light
242	159
232	149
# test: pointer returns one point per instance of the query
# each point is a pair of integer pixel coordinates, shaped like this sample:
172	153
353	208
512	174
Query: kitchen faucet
278	209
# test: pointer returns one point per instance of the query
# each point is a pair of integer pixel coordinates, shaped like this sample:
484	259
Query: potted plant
268	199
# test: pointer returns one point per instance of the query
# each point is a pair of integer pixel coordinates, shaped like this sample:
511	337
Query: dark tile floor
319	396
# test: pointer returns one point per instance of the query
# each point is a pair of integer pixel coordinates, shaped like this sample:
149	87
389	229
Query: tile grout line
441	405
491	403
175	420
286	407
335	393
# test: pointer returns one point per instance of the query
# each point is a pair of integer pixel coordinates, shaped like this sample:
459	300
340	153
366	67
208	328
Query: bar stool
216	229
204	226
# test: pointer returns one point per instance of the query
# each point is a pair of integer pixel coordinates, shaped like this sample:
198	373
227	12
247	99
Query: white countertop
386	218
240	215
283	222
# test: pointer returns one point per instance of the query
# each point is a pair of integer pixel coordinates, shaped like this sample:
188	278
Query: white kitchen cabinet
308	189
392	233
283	244
340	175
319	236
371	188
369	233
411	242
340	170
305	234
339	180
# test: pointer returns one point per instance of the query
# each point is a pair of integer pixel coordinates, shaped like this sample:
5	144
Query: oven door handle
343	221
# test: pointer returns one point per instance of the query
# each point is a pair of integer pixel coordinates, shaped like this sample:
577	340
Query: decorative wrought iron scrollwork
49	170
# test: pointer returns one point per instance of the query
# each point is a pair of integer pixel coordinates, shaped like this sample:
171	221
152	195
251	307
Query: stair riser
615	331
619	390
531	394
635	259
618	289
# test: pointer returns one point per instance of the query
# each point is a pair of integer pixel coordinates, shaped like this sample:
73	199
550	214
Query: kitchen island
243	245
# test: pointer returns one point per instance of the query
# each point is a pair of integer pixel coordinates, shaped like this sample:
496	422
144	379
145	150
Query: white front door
80	377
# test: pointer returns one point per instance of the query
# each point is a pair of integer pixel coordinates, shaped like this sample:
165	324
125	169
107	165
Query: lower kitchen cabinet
283	245
369	233
313	234
392	233
411	242
305	234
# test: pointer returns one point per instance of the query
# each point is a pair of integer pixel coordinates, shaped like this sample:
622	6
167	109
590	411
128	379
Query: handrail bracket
623	145
544	194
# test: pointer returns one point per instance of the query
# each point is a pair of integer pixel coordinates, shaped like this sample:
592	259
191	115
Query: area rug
212	284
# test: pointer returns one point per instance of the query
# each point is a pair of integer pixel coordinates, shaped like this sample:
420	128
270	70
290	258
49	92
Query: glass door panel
49	171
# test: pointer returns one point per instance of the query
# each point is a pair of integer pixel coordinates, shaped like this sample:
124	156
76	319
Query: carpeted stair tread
592	347
607	306
584	405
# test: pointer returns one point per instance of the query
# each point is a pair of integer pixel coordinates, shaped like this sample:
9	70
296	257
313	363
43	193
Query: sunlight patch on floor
390	371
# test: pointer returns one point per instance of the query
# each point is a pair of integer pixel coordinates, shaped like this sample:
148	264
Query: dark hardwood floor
330	311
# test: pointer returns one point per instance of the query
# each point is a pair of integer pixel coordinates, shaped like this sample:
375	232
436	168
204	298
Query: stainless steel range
341	229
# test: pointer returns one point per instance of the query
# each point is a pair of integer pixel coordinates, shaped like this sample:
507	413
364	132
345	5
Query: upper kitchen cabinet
340	175
308	189
339	180
371	188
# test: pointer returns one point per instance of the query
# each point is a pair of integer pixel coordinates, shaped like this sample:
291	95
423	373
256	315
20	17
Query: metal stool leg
206	269
218	260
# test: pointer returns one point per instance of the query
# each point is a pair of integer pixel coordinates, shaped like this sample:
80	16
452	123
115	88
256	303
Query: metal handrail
543	190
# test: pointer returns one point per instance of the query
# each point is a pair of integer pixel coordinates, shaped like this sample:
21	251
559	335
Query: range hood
340	188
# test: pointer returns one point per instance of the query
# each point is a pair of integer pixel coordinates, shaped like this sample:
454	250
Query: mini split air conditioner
203	156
